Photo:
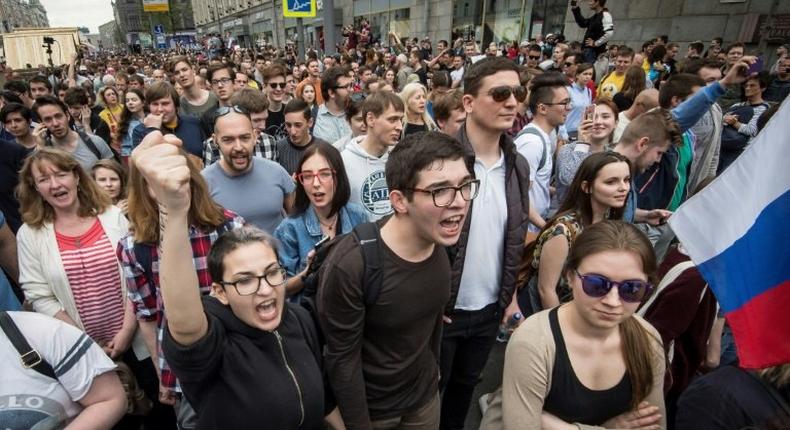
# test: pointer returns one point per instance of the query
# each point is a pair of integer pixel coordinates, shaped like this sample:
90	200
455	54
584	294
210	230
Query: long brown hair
579	201
204	212
638	345
634	82
35	210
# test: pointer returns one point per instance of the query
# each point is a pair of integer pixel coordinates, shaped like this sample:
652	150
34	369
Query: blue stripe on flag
756	262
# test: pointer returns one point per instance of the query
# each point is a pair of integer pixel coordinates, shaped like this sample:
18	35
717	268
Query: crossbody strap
29	357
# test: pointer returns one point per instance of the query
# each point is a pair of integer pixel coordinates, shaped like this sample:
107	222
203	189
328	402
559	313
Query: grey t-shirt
257	195
86	157
186	108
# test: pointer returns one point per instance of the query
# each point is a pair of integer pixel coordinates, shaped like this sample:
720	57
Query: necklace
331	222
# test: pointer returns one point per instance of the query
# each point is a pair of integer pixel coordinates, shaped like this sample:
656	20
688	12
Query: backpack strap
534	131
368	237
30	358
89	143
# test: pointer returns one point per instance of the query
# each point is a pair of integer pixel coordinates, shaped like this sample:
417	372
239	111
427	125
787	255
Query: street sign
299	8
161	43
156	6
159	29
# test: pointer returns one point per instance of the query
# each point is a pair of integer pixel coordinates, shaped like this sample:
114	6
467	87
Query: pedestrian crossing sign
299	8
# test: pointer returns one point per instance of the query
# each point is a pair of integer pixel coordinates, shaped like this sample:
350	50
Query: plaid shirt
145	293
265	147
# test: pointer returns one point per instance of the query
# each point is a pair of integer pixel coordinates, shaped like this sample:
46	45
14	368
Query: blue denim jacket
299	234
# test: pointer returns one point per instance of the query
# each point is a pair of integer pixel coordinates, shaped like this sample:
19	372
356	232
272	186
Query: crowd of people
235	238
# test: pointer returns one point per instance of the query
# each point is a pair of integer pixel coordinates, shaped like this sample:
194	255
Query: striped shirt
92	270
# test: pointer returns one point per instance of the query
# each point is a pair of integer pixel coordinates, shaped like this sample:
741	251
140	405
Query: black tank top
570	400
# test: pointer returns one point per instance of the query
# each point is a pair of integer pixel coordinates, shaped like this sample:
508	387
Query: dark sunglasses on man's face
534	57
632	291
274	85
502	93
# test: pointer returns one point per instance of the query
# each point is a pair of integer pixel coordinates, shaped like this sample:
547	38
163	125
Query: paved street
492	379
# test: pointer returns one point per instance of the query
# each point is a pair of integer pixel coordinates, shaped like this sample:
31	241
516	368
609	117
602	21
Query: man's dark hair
342	186
10	97
473	79
329	79
664	38
577	56
137	78
441	78
380	101
161	90
76	96
657	54
18	86
214	68
49	100
419	151
697	46
534	48
353	108
680	85
694	66
542	89
171	65
19	108
42	80
625	51
298	105
762	78
735	45
718	40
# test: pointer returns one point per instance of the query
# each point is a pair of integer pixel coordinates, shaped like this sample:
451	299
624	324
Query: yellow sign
156	6
299	8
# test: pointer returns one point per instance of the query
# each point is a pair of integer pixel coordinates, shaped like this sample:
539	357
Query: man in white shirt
549	102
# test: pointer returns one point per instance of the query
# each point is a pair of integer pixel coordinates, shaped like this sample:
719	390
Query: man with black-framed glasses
549	102
382	356
239	175
330	121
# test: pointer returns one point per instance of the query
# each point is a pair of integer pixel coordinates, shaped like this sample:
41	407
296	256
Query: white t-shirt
531	147
485	248
622	123
29	399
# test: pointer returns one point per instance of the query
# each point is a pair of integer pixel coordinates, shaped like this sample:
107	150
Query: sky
78	13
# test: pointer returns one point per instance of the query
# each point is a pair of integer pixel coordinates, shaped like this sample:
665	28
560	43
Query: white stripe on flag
714	219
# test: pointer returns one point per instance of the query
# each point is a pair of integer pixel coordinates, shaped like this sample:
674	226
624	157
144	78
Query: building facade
22	14
109	36
136	26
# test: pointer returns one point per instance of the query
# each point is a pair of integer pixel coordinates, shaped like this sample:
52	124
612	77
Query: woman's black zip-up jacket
517	197
240	377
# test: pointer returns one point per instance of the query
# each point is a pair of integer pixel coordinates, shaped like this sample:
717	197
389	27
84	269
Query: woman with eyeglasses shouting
597	193
321	211
243	356
590	363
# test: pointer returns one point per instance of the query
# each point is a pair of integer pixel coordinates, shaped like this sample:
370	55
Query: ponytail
638	353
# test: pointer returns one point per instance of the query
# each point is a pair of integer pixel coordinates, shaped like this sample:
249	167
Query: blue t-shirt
8	301
256	195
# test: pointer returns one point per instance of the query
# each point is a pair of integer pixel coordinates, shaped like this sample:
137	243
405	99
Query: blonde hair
143	213
409	91
35	210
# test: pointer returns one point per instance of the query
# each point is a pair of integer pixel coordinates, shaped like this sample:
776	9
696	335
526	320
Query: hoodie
239	376
367	180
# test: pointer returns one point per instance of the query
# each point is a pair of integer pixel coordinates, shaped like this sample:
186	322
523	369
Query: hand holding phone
756	67
589	112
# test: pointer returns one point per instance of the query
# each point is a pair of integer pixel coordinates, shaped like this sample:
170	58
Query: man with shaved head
644	101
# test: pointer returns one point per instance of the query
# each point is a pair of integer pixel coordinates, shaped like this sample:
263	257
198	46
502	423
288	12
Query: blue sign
299	8
159	29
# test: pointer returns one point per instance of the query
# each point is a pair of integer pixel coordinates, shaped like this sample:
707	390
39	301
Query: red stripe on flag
760	328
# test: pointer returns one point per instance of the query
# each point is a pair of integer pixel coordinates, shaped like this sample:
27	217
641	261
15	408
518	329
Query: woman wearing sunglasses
321	211
590	363
598	193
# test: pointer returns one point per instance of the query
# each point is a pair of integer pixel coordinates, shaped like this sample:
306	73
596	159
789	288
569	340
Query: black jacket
517	196
239	377
594	25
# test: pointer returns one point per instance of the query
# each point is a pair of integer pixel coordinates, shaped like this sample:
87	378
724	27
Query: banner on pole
299	8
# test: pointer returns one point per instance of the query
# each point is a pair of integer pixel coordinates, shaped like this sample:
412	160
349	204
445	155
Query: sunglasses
502	93
224	110
533	57
632	291
274	85
568	64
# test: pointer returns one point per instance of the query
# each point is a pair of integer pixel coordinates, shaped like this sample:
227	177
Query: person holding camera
600	28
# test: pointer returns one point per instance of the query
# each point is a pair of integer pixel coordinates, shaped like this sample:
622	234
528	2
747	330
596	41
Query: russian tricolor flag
737	231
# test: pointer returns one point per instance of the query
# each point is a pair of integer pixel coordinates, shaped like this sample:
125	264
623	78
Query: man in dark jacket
486	259
600	29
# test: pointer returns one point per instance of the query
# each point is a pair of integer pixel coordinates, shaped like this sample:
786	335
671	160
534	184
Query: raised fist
165	167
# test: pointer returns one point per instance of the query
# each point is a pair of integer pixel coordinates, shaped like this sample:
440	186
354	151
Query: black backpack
368	236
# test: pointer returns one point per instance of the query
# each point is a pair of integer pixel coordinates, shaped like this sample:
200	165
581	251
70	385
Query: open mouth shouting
451	226
267	310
